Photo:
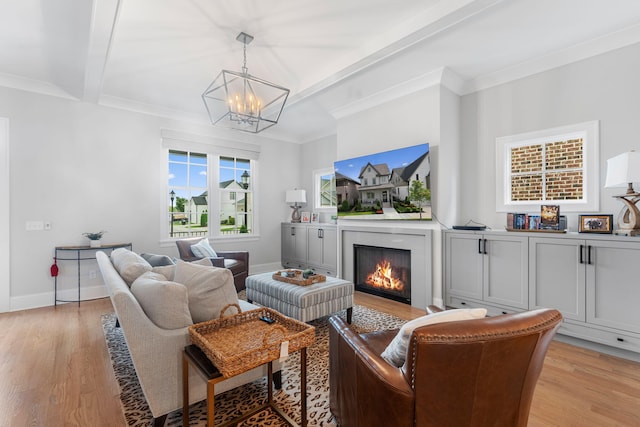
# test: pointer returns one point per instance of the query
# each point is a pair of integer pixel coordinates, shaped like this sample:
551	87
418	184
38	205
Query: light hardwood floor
55	371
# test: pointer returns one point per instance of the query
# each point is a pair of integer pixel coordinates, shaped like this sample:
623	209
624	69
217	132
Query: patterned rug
241	399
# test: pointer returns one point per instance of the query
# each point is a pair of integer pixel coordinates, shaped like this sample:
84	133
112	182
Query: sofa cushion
165	303
157	260
203	249
129	264
396	351
210	289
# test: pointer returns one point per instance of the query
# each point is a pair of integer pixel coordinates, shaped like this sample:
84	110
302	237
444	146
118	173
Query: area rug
243	398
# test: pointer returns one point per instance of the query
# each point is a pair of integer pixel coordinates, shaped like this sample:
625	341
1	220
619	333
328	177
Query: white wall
318	154
430	116
603	88
87	168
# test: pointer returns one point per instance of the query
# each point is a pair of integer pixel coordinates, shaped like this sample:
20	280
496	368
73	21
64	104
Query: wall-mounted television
391	185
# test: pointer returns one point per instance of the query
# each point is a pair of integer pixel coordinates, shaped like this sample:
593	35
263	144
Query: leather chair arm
361	381
237	255
217	261
433	309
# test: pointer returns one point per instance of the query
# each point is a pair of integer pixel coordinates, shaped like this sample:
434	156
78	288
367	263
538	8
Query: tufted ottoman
304	303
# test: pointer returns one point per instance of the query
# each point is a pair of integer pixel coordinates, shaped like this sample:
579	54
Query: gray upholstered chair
236	261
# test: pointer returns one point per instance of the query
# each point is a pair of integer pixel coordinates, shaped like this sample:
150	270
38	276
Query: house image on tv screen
393	184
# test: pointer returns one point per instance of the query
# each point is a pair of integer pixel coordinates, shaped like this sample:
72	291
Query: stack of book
548	219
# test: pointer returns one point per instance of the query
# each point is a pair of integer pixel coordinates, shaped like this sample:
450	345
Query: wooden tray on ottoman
241	342
298	279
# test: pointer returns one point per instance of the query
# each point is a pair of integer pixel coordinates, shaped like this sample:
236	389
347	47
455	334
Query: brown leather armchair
236	261
478	372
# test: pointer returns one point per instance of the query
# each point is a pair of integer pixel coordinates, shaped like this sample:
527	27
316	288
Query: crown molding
619	39
36	86
442	76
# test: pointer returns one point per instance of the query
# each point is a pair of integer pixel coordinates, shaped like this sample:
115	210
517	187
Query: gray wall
604	88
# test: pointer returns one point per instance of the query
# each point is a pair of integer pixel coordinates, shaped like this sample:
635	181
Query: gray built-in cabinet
590	278
313	246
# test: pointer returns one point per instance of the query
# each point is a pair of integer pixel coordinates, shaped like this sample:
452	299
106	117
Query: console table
80	253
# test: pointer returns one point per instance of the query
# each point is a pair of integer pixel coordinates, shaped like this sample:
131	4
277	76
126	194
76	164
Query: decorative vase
94	243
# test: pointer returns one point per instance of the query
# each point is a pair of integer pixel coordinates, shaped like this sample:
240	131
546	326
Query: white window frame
317	185
590	134
214	148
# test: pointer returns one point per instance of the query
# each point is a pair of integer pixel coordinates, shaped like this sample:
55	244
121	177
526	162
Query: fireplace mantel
417	240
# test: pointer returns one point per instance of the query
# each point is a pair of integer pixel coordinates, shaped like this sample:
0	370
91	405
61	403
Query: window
325	197
212	187
557	166
188	186
236	208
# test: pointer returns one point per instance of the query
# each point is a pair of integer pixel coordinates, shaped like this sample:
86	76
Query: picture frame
602	224
305	217
315	217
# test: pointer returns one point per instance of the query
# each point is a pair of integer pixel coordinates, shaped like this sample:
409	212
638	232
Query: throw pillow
396	351
157	260
167	271
203	249
129	264
164	302
210	289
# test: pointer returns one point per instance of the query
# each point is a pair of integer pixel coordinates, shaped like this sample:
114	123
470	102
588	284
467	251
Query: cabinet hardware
485	246
480	246
581	254
293	231
504	312
320	233
463	303
589	254
620	339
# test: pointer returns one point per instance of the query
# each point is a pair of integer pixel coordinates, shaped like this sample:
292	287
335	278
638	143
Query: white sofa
157	352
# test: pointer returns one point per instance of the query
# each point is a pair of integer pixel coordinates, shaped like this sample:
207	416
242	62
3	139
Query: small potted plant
94	238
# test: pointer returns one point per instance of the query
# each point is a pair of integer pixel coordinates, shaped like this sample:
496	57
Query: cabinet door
613	291
330	251
463	265
557	275
506	270
315	246
294	246
322	250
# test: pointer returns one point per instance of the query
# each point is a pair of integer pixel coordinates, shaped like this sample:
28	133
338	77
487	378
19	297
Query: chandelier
240	101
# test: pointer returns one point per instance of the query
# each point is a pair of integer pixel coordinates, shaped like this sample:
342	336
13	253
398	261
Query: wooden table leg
303	387
210	402
185	390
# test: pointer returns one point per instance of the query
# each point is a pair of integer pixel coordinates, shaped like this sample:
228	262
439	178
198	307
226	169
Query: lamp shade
623	169
296	196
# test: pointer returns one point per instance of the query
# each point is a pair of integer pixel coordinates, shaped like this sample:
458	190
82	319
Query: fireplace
383	271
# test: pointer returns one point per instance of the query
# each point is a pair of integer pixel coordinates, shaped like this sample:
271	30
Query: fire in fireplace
384	272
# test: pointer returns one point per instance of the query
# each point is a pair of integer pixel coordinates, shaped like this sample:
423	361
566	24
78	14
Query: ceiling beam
104	17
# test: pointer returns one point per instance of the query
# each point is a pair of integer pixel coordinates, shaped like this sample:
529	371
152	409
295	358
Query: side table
80	253
193	355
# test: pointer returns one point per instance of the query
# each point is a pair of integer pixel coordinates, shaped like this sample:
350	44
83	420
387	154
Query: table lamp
296	196
622	171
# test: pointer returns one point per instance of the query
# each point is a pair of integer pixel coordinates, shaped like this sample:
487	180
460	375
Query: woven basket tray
298	279
241	342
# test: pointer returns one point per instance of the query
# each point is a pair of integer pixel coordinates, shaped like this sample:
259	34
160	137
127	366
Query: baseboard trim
46	299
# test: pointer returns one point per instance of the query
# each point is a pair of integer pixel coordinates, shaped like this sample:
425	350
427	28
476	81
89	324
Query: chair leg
117	322
277	380
159	422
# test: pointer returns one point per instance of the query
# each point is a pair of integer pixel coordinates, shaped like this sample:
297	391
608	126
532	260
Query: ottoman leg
349	314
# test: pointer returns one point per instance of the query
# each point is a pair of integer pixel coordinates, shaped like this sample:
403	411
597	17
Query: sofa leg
159	422
277	380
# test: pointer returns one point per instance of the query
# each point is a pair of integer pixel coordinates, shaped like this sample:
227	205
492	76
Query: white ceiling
336	56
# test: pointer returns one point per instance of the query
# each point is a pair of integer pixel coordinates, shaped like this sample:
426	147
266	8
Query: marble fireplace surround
417	240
